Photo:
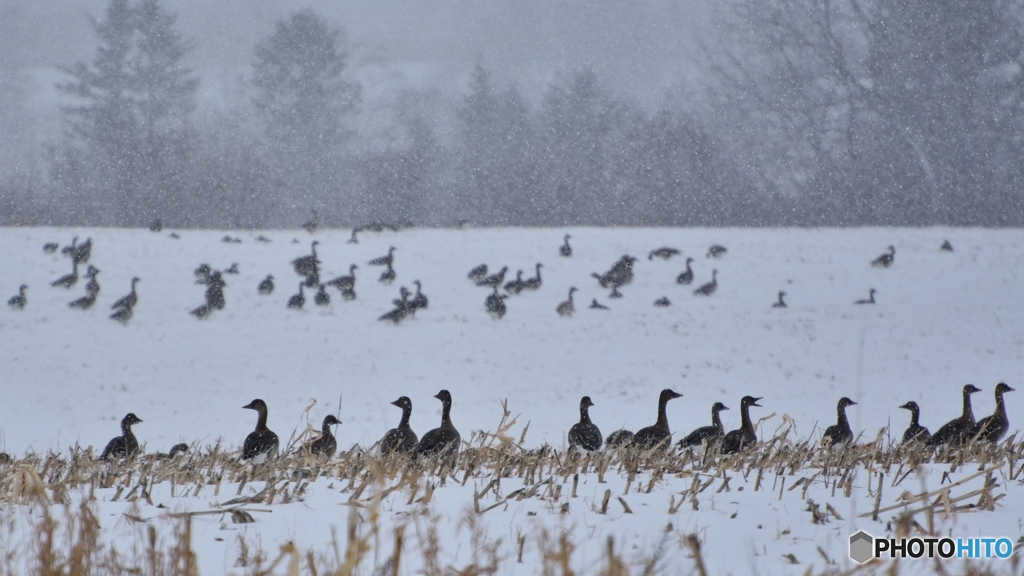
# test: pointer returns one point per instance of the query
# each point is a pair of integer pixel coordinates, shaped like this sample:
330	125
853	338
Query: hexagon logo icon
862	547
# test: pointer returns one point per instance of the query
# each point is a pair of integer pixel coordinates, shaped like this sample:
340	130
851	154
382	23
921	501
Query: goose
388	260
401	309
745	436
946	246
840	433
233	269
961	429
82	252
67	280
418	301
353	239
619	439
620	274
309	264
993	428
313	223
401	439
514	287
175	451
125	445
915	432
297	301
662	302
657	435
202	273
565	249
261	444
266	285
444	440
716	251
215	291
345	283
175	236
123	315
92	287
870	299
326	445
478	273
321	298
885	260
585	434
128	300
19	300
263	239
711	434
494	280
85	302
533	283
495	305
780	303
595	305
50	247
686	276
387	276
156	226
664	253
566	308
709	288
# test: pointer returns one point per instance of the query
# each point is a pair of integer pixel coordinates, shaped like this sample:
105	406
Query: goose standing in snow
67	280
711	434
533	283
297	301
686	276
125	445
321	298
870	299
885	260
261	444
961	429
495	304
993	428
716	251
595	305
585	434
664	253
326	445
657	435
840	433
566	308
266	285
915	432
419	300
515	286
444	440
387	260
128	300
19	300
400	439
565	249
709	288
780	303
478	273
745	436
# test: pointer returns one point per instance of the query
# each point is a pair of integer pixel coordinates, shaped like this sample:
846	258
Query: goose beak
755	402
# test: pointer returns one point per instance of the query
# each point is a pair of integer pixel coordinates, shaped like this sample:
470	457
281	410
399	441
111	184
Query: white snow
942	320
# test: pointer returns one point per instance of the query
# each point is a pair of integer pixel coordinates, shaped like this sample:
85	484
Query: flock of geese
584	436
308	268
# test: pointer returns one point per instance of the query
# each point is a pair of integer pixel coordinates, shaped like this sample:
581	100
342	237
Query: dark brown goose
129	300
709	288
401	439
261	444
494	280
125	445
326	444
870	299
711	434
659	434
839	434
445	439
958	430
535	282
686	276
780	303
566	308
915	432
993	428
297	301
664	253
67	280
565	249
19	300
585	434
495	305
388	260
266	285
885	260
745	436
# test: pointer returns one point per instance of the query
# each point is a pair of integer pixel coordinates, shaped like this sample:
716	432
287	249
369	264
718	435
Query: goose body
915	432
478	273
233	269
345	283
307	265
125	445
130	299
50	247
709	288
401	309
494	280
495	304
83	303
565	249
619	439
123	315
710	434
419	300
566	308
716	251
515	286
326	445
297	301
946	246
958	430
840	433
745	436
401	439
321	298
203	312
92	286
67	280
387	276
19	300
993	428
585	434
444	440
384	260
870	299
533	283
664	253
686	276
780	303
266	285
885	260
657	435
663	302
313	223
595	305
261	444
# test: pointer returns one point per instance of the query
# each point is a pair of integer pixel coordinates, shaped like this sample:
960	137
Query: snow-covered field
943	319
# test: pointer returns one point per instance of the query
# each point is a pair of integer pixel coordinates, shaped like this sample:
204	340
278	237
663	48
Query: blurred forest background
528	113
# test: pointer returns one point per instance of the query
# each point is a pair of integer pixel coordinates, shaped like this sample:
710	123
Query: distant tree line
846	112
